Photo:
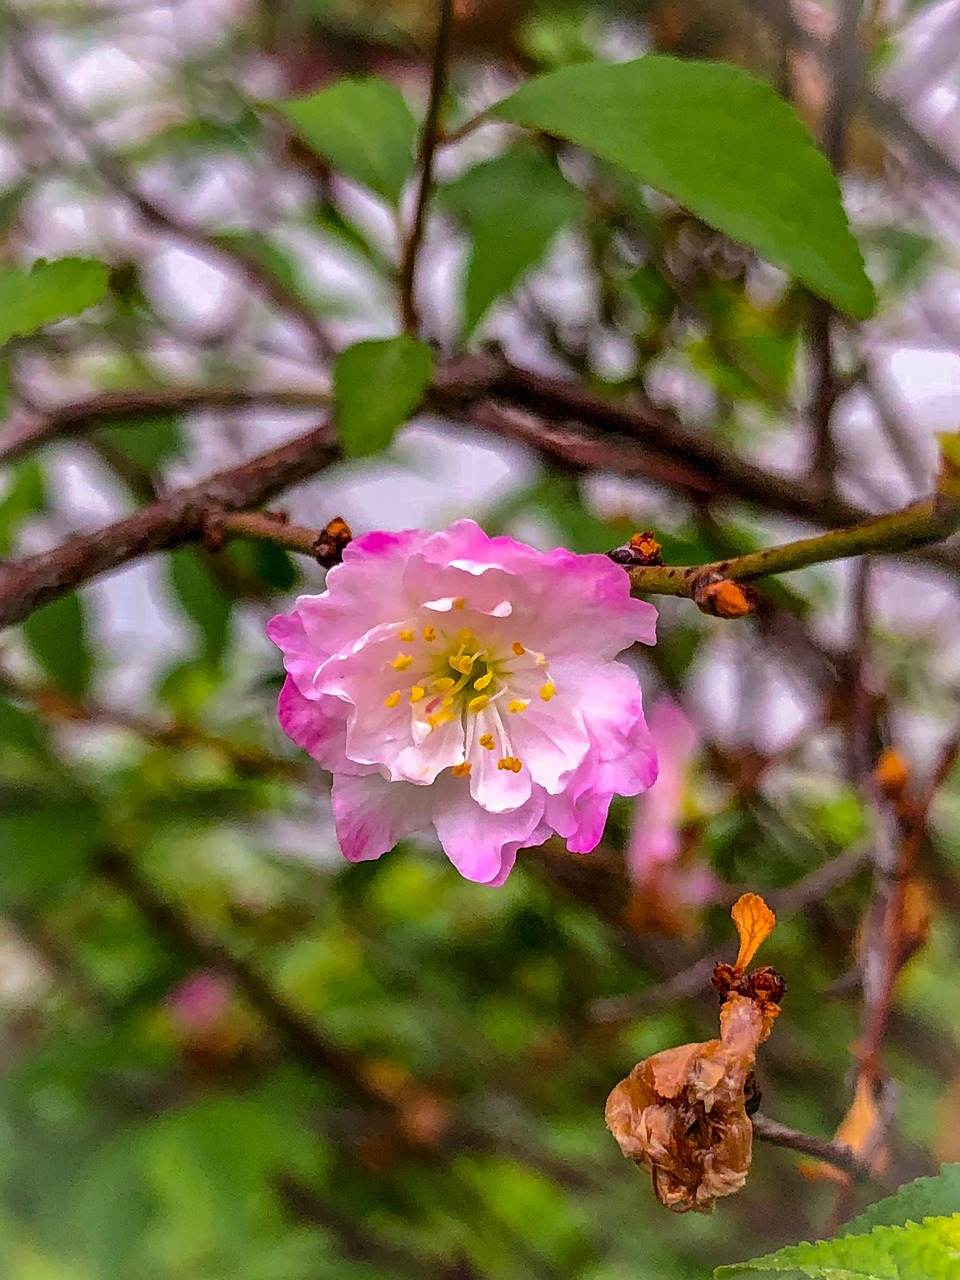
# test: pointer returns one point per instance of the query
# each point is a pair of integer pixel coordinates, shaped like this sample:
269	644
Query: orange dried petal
754	921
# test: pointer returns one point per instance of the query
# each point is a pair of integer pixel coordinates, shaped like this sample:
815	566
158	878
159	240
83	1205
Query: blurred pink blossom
469	683
666	882
199	1003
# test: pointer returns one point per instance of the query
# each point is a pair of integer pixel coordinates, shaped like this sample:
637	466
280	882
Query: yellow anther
510	763
447	701
461	662
407	634
461	770
476	705
444	682
486	740
459	603
439	717
429	634
518	648
516	765
402	661
518	704
417	692
547	690
393	699
483	681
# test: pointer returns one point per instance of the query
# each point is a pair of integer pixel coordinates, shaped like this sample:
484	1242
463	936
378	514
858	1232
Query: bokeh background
225	1053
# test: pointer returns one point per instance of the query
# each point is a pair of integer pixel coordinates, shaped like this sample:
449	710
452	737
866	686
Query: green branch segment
929	520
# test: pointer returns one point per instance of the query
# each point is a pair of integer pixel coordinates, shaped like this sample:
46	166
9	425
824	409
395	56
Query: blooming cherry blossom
468	683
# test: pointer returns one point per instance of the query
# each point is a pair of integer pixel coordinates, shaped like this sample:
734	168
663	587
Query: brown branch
836	1153
882	952
64	421
671	455
27	584
429	140
882	112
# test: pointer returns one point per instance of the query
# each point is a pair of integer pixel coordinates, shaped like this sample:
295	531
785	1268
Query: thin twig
835	1153
73	418
429	140
180	517
112	172
305	1043
882	955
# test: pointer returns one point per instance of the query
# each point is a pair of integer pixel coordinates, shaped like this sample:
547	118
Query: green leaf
19	729
51	291
514	207
916	1251
46	841
924	1198
25	496
722	143
149	441
376	387
57	636
364	128
203	599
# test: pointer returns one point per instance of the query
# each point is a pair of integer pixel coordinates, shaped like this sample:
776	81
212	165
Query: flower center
455	676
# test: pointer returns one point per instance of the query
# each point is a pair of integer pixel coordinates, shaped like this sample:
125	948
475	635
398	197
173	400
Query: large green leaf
514	206
376	386
364	128
918	1251
924	1198
51	291
722	143
58	637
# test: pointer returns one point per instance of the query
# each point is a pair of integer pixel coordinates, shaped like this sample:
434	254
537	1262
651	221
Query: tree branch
929	520
62	422
835	1153
429	140
181	517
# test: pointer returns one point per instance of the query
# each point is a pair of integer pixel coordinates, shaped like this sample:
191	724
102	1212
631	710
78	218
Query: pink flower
469	683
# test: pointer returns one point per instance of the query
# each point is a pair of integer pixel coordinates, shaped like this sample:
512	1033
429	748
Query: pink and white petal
371	814
365	591
439	749
591	810
623	757
317	725
301	659
478	843
549	737
494	789
376	732
585	606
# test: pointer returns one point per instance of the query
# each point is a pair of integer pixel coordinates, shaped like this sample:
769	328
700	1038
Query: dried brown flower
682	1113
